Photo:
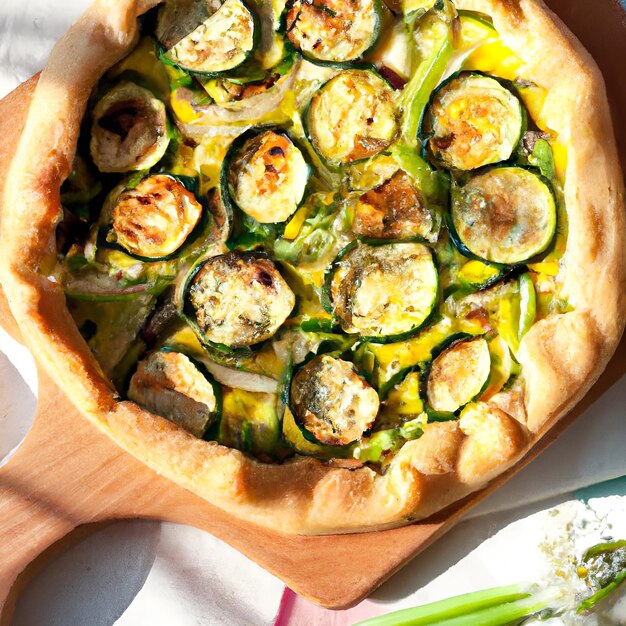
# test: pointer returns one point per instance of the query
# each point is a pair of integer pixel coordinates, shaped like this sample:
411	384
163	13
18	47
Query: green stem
449	608
591	601
427	74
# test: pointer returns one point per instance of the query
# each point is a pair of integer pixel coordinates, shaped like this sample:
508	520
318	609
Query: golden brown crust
561	356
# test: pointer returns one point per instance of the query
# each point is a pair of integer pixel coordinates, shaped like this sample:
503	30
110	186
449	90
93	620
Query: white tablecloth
141	572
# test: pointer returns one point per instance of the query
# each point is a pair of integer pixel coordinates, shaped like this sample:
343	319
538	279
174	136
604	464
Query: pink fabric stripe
294	610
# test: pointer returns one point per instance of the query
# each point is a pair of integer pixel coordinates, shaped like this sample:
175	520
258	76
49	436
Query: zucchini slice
352	117
266	176
472	120
395	209
155	218
221	42
383	292
458	374
331	403
506	215
502	367
333	31
236	94
221	215
129	129
238	300
174	386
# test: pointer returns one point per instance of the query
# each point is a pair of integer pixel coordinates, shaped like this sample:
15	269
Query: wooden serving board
66	474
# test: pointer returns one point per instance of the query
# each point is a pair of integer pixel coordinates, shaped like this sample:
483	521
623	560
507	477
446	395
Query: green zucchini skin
503	273
396	379
216	413
256	34
289	21
318	325
523	257
191	185
352	430
425	132
235	150
330	307
384	97
438	414
481	18
114	115
248	334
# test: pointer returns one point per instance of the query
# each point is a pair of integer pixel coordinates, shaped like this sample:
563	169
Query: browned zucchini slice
129	129
153	219
331	403
458	374
352	117
395	209
239	300
333	31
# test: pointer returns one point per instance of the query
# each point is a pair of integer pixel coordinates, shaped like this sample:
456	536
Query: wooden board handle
28	525
30	521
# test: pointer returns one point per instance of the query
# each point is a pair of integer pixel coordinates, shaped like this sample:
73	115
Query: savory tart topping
129	129
393	210
472	120
412	295
507	215
171	385
331	403
352	117
458	374
383	292
221	42
154	219
267	176
239	299
333	30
